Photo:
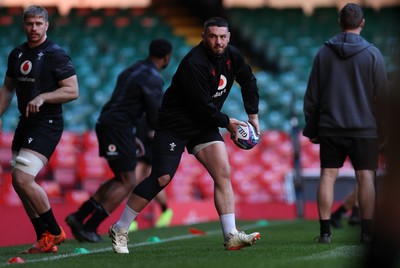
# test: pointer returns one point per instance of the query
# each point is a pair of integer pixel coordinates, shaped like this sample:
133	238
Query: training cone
16	260
81	251
262	223
196	231
154	239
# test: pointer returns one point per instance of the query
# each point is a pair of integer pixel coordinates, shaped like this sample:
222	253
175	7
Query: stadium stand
102	41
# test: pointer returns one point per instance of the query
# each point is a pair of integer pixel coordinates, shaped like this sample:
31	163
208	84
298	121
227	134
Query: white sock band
228	223
127	217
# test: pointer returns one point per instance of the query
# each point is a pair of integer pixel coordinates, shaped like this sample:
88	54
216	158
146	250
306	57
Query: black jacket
348	83
138	90
199	88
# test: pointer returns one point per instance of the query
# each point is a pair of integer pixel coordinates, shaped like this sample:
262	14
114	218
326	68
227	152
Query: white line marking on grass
342	251
99	250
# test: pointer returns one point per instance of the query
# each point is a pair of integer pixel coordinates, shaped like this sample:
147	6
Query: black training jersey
38	70
139	89
199	88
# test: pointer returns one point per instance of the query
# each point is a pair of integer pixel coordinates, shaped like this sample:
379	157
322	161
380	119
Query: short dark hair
160	48
35	11
216	21
351	16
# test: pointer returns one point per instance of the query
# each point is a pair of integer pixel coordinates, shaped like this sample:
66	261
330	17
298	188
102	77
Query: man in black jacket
347	84
190	116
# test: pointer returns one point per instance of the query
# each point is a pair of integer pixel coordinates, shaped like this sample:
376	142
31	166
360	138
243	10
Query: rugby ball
247	137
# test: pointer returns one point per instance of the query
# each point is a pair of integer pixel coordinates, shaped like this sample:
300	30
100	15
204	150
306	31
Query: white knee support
28	163
12	162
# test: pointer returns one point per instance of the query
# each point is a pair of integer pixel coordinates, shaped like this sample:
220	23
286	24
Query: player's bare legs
29	191
33	196
325	192
352	199
36	202
366	199
325	195
111	194
366	192
102	203
215	159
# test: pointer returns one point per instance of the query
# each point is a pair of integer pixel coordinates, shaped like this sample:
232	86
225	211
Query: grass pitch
282	244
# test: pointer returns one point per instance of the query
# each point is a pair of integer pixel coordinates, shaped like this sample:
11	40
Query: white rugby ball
247	137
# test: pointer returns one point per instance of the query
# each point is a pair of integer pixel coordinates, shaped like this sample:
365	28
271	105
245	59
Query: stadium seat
5	149
8	195
89	141
76	196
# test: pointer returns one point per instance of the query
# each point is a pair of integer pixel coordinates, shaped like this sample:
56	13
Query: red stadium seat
76	196
8	196
92	171
63	165
5	149
89	141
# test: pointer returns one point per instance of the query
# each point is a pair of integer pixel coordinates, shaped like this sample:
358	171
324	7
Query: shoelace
243	236
44	241
122	237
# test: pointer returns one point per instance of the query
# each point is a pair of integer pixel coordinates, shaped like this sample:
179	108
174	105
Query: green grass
282	244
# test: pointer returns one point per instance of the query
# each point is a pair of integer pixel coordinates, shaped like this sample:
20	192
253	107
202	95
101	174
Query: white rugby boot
119	239
237	240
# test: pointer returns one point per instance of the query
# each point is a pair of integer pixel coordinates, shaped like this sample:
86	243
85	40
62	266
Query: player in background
350	203
190	117
43	78
138	91
143	169
348	82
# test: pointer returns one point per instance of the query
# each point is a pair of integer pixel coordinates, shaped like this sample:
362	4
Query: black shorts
362	152
168	150
208	136
118	146
40	134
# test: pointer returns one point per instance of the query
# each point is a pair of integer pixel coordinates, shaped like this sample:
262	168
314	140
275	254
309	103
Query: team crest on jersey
26	67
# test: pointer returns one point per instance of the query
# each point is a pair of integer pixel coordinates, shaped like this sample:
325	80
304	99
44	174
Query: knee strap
148	188
28	163
163	164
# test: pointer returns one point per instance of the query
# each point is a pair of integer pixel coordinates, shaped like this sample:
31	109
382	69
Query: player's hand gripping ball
247	137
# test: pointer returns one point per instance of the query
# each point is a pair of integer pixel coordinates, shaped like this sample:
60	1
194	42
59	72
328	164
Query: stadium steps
181	20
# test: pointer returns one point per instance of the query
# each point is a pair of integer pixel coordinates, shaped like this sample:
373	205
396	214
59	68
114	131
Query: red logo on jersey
25	67
228	62
222	82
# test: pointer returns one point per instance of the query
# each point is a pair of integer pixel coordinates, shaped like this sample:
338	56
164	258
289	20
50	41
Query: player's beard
215	50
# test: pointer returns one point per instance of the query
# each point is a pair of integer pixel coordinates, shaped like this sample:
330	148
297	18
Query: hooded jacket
348	84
